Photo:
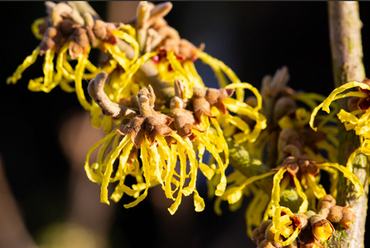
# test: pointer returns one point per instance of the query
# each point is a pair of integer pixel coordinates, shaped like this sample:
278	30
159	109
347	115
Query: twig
109	108
346	48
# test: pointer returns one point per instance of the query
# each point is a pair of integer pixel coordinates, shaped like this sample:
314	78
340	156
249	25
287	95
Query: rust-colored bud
327	201
99	29
266	244
48	41
269	235
302	218
348	216
341	215
75	49
335	214
46	44
81	37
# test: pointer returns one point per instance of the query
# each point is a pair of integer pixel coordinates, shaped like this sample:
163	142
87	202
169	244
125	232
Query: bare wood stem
346	49
109	108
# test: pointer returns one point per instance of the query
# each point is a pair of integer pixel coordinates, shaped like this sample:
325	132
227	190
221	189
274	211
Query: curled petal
347	174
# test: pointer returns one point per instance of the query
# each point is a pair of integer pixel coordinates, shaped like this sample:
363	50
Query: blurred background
46	199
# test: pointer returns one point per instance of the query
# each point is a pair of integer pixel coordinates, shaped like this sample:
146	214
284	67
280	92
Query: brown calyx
303	164
148	122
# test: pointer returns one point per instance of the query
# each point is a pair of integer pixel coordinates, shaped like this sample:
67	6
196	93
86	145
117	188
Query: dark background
253	38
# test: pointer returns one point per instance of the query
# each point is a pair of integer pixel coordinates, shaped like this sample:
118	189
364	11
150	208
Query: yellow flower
351	121
284	225
77	42
322	229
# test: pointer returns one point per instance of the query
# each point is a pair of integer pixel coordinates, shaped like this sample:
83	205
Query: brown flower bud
335	214
302	219
99	29
324	212
266	244
81	37
51	39
200	104
284	106
215	96
259	232
348	216
326	202
269	235
341	215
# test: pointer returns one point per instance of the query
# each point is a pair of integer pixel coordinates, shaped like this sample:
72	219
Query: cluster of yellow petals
158	162
350	120
159	167
57	70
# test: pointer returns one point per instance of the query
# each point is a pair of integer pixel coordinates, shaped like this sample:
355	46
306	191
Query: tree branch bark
346	50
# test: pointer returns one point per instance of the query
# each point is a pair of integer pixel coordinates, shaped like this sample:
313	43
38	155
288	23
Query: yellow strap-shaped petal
193	75
64	85
275	199
304	205
48	67
80	69
347	174
126	150
318	190
120	189
89	172
35	27
109	169
222	139
125	78
181	153
219	64
129	29
244	109
130	40
193	162
177	67
119	56
146	167
334	95
29	60
249	87
198	202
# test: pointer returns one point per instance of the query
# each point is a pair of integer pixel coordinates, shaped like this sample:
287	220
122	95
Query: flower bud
322	229
302	218
327	201
341	215
335	214
348	216
266	244
259	232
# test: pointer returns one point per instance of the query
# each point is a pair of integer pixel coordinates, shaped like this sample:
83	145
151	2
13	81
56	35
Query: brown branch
346	48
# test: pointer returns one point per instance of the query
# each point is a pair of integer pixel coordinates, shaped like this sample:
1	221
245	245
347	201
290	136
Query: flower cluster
295	185
304	230
160	120
159	117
